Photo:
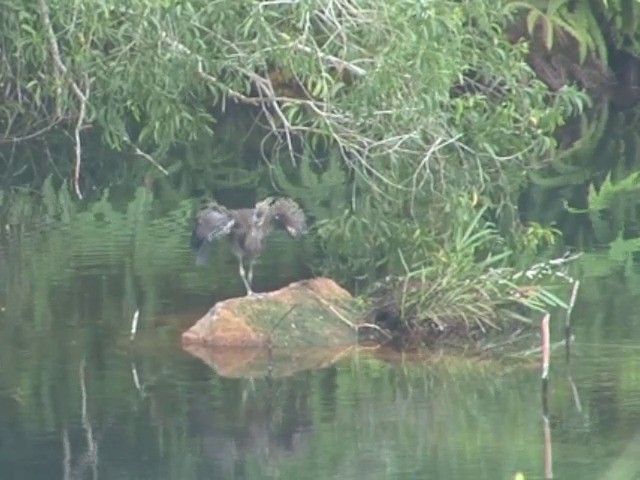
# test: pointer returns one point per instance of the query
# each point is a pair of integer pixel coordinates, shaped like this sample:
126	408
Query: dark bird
247	229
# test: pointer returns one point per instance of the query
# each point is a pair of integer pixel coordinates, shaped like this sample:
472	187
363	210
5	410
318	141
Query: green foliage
534	239
473	280
420	106
156	74
319	187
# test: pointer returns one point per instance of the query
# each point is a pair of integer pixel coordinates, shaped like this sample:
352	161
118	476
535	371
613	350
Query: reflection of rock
316	312
259	362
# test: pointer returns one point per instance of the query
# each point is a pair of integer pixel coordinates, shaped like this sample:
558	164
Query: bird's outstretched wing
288	215
211	223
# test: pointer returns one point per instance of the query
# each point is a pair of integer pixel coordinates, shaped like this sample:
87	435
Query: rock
309	313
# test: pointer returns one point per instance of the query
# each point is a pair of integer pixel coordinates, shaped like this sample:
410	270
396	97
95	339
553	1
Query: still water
79	400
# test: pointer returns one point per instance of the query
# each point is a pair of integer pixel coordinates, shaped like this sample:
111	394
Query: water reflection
79	400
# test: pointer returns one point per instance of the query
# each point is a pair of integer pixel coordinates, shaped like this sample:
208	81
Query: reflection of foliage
589	188
207	167
354	420
71	277
597	28
58	239
608	192
565	17
621	18
611	201
321	192
585	135
74	283
605	261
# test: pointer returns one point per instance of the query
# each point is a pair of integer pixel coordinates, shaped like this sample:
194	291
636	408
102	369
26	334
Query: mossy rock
309	313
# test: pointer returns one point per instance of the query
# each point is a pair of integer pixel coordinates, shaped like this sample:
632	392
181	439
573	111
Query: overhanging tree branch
82	97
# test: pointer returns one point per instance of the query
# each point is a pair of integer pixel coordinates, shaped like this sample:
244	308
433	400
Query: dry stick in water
544	327
134	324
66	458
548	448
92	445
567	342
548	464
567	318
572	302
136	378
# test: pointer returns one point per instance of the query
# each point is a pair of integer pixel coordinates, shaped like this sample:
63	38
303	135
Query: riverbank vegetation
408	130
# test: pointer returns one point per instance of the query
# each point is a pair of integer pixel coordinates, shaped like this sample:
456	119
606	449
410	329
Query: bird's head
262	212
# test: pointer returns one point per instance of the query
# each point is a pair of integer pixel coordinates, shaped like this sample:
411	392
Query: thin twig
6	138
513	339
374	327
148	157
335	62
545	268
333	310
531	351
285	315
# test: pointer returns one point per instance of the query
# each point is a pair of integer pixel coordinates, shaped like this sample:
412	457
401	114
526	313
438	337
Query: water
78	400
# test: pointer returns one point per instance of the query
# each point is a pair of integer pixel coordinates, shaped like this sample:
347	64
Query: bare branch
82	97
13	138
78	146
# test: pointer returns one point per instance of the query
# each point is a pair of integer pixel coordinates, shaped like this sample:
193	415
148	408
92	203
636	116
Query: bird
247	229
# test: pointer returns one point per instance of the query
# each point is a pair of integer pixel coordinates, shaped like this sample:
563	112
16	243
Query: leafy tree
427	105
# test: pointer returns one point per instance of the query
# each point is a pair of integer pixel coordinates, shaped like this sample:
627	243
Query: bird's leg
247	283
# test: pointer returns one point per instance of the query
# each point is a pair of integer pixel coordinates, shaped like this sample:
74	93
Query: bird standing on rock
247	229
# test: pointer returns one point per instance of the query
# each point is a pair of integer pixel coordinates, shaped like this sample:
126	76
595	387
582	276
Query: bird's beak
292	231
